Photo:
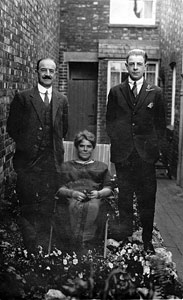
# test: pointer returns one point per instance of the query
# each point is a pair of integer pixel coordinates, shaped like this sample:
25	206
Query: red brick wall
29	30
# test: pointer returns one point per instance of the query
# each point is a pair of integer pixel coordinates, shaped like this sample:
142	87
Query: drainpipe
180	157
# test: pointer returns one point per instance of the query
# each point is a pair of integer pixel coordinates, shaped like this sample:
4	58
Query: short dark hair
43	58
87	135
137	52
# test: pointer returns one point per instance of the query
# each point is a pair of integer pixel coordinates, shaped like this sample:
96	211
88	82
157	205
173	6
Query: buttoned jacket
140	126
26	126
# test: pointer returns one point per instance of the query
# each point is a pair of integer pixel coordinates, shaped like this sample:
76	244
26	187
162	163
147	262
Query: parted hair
137	52
87	135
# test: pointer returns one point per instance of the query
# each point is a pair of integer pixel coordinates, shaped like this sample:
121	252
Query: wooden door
82	97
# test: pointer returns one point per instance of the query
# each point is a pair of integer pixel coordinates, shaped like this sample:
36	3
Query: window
151	74
117	73
136	12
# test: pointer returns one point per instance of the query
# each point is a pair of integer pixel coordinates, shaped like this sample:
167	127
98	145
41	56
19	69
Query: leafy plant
126	273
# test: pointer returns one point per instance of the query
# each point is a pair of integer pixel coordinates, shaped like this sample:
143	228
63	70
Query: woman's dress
84	221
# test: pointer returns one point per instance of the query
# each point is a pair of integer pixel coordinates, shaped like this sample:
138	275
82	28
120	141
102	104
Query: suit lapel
142	95
37	103
126	93
125	89
55	105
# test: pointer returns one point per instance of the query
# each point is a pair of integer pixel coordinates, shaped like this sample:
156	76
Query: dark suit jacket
141	126
25	125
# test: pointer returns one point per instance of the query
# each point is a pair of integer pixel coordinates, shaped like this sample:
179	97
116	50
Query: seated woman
85	183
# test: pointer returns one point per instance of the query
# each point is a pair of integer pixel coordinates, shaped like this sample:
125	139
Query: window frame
110	62
114	18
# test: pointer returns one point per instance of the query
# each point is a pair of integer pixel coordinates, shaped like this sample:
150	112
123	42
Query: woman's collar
90	161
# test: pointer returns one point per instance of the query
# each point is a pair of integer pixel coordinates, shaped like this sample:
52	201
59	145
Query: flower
64	261
110	265
146	270
80	275
54	294
75	261
164	254
149	88
123	251
150	105
25	252
126	272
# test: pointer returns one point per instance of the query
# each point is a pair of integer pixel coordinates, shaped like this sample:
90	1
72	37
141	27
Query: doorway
82	97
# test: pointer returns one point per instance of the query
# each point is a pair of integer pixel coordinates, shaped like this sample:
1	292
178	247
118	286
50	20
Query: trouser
139	177
36	192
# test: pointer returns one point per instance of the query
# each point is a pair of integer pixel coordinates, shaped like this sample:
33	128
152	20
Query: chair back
101	153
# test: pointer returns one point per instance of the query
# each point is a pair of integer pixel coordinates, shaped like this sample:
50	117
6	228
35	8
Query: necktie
134	89
46	99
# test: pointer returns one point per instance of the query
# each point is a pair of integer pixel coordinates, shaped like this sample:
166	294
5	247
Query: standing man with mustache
38	122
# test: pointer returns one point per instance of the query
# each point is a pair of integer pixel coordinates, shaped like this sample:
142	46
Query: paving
169	218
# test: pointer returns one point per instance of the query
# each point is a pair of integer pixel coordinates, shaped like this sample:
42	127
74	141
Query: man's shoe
149	248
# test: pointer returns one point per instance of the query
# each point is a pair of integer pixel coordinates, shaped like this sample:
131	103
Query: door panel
82	97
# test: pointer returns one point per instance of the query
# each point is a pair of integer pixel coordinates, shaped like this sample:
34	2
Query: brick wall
63	70
29	30
171	45
102	98
85	22
85	28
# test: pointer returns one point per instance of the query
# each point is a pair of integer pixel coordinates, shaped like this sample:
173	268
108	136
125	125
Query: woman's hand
94	194
79	196
105	192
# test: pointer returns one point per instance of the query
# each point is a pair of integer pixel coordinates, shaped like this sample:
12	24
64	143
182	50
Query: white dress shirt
42	90
138	82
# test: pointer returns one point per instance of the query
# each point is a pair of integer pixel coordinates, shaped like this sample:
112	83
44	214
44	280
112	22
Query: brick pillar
102	100
63	70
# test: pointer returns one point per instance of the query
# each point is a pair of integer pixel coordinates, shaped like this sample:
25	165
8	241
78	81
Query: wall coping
118	48
80	56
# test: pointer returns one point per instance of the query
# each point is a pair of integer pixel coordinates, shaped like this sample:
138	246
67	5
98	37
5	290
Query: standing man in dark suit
38	122
136	124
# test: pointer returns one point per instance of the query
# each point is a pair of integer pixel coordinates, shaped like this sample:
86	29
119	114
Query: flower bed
126	272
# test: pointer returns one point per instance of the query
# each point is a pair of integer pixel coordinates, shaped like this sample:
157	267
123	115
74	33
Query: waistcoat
46	161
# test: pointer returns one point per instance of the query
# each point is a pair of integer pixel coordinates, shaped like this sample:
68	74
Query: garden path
169	219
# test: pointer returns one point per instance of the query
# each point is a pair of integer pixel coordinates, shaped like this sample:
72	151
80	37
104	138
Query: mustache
47	77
